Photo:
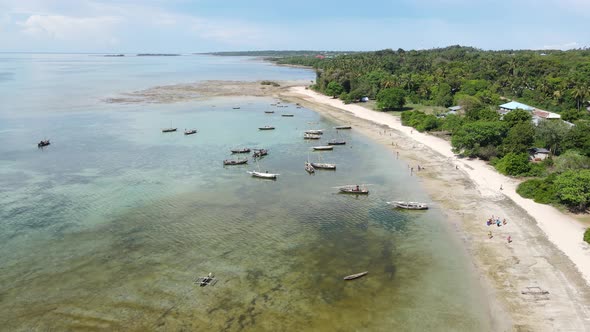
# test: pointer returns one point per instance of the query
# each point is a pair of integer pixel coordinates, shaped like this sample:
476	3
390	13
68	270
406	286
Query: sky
185	26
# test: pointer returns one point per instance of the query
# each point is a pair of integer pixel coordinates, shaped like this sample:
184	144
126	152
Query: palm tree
580	92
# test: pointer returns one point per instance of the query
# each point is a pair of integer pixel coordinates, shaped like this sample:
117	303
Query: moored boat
263	175
311	136
269	112
243	150
259	153
356	275
309	168
287	115
409	205
336	142
190	131
236	108
323	148
169	130
229	162
323	165
43	143
266	128
357	190
343	127
315	131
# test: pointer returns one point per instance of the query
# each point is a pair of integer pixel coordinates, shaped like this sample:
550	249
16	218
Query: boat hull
356	276
324	166
323	148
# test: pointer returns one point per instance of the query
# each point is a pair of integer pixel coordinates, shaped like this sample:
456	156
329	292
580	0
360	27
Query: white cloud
565	46
70	28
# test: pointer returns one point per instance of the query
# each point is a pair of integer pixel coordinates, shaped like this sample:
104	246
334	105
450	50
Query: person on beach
501	187
509	239
498	222
490	234
504	221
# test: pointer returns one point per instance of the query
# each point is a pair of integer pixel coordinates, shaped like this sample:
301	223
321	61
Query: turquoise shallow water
107	228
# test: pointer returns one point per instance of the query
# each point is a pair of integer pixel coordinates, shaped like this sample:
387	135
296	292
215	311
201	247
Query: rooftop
516	105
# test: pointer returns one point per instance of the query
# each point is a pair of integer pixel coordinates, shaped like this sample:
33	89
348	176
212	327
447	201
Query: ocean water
109	226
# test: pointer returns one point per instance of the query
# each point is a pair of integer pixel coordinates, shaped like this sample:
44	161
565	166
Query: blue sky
206	25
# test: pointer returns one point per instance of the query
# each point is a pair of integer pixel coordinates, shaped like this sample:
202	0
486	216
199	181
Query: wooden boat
409	205
336	142
168	130
269	112
190	132
323	165
288	115
323	148
311	136
263	175
343	127
309	168
244	150
259	153
354	190
229	162
206	281
266	128
356	276
315	131
43	143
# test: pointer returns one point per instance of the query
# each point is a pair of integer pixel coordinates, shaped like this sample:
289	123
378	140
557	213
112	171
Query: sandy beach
547	253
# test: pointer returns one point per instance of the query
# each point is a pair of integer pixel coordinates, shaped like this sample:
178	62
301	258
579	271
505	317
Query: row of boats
186	131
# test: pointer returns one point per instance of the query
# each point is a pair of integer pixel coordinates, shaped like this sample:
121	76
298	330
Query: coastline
547	249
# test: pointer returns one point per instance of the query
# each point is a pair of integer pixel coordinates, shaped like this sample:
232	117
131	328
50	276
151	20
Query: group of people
496	220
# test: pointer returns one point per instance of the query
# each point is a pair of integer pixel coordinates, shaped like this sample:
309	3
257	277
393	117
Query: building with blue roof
513	105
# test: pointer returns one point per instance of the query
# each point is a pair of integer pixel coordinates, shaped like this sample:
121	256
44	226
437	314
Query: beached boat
269	112
263	175
343	127
266	128
309	168
43	143
409	205
336	142
315	131
356	275
243	150
229	162
190	132
323	148
168	130
311	136
287	115
354	189
259	153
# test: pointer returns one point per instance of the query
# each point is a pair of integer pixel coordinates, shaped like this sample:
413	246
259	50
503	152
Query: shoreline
547	249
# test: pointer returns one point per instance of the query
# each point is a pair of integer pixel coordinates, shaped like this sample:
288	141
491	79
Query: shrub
514	164
540	190
587	235
270	83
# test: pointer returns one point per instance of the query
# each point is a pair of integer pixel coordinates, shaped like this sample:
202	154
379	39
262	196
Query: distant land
157	54
275	53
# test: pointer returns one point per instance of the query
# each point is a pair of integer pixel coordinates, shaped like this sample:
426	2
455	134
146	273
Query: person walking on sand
504	221
501	187
509	239
490	234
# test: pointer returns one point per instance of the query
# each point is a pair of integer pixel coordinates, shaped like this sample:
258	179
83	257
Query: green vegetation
587	235
275	84
479	81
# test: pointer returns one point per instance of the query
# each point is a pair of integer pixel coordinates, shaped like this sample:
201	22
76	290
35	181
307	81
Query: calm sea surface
109	226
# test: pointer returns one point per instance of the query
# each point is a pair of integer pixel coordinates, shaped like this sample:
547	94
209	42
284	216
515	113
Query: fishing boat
259	153
43	143
236	108
311	136
309	168
168	130
266	128
343	127
243	150
287	115
353	189
409	205
336	142
269	112
323	148
315	131
229	162
263	175
356	276
190	132
324	165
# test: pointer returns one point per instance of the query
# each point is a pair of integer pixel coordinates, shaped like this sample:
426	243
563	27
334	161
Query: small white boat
323	148
266	128
311	136
309	168
324	165
315	131
356	275
263	175
409	205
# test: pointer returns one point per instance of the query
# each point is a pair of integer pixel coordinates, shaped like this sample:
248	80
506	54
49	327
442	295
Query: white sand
562	230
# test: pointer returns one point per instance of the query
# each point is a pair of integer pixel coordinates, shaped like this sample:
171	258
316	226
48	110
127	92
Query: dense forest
479	81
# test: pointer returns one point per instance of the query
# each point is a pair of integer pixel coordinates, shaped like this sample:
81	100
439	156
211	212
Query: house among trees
538	154
536	113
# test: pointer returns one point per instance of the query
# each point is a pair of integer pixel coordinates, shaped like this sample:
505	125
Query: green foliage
517	116
467	102
482	114
520	138
420	120
334	89
472	87
391	98
443	95
514	164
578	138
587	235
452	123
474	135
573	189
551	135
275	84
540	190
571	160
572	115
